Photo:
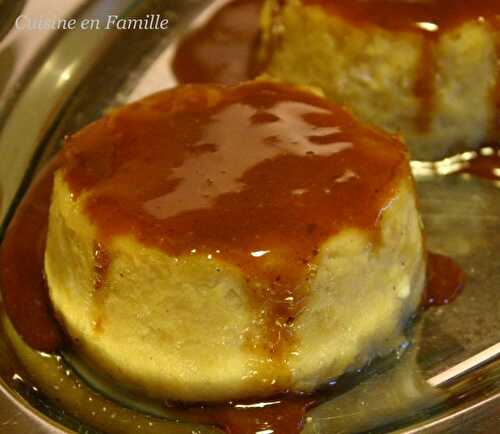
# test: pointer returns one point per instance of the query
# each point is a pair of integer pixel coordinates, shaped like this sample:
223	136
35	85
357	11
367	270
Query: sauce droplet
445	280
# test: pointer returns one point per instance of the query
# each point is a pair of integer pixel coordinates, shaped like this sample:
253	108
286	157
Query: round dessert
214	243
424	69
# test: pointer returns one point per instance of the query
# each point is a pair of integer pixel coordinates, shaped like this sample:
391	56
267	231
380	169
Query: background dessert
427	70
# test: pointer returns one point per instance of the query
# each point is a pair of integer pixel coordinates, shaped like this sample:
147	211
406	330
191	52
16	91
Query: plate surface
79	75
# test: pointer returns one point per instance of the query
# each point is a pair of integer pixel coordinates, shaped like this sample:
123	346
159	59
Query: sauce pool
485	163
283	415
445	280
24	290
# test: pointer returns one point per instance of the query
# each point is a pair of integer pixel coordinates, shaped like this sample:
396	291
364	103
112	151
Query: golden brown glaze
445	280
222	50
259	177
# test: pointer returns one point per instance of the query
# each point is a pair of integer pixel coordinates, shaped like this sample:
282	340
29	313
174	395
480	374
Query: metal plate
74	79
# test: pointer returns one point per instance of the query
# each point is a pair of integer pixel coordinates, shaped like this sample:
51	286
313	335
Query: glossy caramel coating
259	175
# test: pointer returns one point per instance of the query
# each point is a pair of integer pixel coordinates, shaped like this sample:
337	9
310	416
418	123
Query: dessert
215	243
424	69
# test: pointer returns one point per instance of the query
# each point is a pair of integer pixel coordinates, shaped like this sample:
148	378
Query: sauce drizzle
102	262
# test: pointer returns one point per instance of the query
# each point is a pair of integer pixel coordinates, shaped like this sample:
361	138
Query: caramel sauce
283	415
485	164
222	50
445	280
24	291
102	262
